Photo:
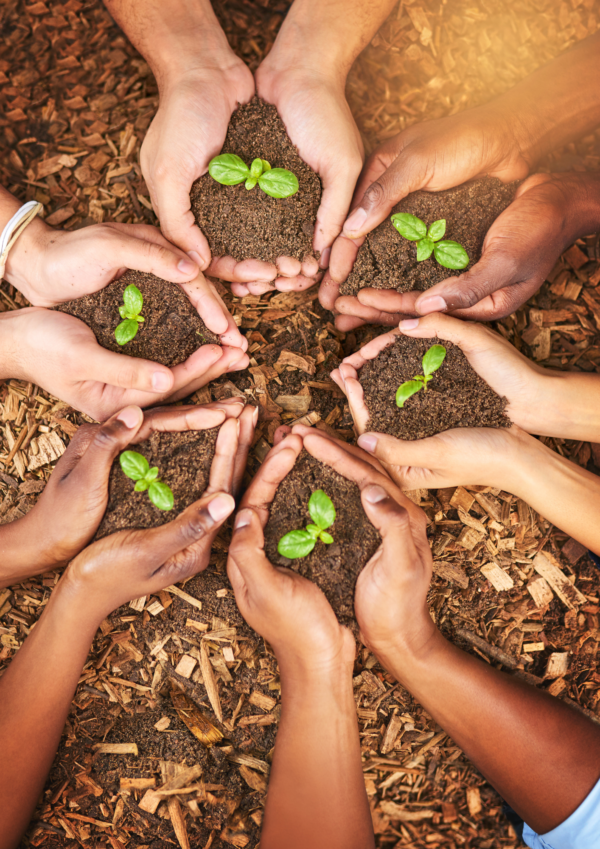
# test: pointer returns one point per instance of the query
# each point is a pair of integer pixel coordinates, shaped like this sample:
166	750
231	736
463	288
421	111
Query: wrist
12	327
89	606
406	657
24	260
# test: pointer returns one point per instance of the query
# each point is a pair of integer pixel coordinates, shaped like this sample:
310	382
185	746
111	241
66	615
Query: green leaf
321	509
133	300
424	249
126	331
296	544
406	390
437	230
161	496
152	474
278	183
141	486
313	530
433	358
451	254
325	537
251	182
266	165
409	226
134	465
256	168
228	169
123	311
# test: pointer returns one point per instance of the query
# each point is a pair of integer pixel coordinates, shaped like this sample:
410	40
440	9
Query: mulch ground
77	101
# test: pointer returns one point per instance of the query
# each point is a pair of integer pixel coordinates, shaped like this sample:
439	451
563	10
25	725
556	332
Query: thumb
379	199
178	224
99	364
422	453
247	563
155	257
335	203
394	524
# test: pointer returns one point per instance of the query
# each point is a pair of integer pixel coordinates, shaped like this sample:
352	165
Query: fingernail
367	442
130	416
374	494
161	381
324	258
409	324
356	220
187	267
242	520
255	416
200	261
434	304
220	507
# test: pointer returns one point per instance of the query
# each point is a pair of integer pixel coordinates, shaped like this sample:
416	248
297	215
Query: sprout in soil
130	312
138	469
230	170
300	543
432	360
448	253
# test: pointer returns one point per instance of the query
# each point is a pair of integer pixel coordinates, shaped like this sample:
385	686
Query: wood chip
498	578
558	665
185	596
116	748
391	733
136	783
540	591
564	589
254	779
210	683
451	572
49	447
474	801
265	703
396	812
186	665
306	363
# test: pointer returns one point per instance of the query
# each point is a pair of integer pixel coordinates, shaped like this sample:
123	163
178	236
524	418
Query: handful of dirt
170	333
183	460
455	397
387	260
334	567
251	224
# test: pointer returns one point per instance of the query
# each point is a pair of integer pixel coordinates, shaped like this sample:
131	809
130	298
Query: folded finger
248	420
221	470
277	464
247	271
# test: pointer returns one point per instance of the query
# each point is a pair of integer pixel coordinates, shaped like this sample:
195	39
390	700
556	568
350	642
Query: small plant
300	543
138	469
129	311
432	360
229	170
448	253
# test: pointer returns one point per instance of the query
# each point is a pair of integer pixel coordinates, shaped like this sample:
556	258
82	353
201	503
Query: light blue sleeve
580	831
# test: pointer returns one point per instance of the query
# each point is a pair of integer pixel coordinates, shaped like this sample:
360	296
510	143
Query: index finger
276	465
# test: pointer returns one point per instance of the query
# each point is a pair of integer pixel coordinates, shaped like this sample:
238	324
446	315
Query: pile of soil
183	460
335	567
455	397
250	224
172	329
387	260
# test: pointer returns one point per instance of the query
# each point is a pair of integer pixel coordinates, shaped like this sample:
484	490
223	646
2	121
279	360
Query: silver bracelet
15	227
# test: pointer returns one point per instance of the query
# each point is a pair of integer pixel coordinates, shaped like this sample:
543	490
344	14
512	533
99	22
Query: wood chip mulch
509	587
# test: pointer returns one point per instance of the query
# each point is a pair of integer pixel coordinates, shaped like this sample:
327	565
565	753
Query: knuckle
374	196
104	438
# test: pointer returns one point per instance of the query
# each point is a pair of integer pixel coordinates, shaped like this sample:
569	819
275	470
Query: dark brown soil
183	460
387	260
250	224
335	567
455	397
172	329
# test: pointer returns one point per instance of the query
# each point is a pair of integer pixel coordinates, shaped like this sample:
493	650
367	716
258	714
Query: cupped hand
130	564
509	373
287	610
60	353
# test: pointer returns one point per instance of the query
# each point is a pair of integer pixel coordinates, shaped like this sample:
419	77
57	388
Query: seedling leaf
424	249
437	230
134	465
141	486
409	226
296	544
126	331
451	255
256	169
313	530
161	496
228	169
133	300
251	182
433	358
406	390
266	165
326	538
321	509
278	183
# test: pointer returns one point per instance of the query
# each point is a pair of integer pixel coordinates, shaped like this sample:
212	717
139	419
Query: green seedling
300	543
136	467
448	253
129	311
229	170
432	360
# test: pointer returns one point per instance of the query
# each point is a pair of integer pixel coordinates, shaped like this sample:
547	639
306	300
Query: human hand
430	156
289	611
130	564
529	388
60	353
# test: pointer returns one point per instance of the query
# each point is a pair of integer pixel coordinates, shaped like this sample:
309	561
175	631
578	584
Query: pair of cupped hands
288	610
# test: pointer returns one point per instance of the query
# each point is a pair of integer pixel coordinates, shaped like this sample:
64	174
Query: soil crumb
455	397
172	329
387	260
335	567
183	460
250	224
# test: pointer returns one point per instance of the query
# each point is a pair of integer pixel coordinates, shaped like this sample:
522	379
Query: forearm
35	696
556	104
571	405
316	793
18	558
541	756
174	36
